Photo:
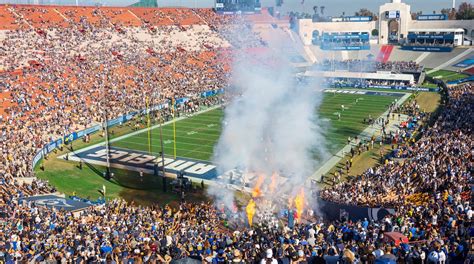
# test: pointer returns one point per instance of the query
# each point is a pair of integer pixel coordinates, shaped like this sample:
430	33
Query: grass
427	101
360	163
447	76
196	137
429	85
69	179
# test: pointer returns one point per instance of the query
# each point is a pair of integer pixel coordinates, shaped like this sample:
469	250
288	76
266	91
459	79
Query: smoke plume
271	124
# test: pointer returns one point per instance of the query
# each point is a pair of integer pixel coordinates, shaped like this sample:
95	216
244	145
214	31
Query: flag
102	192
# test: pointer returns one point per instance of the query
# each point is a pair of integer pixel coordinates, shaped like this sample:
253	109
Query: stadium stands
80	66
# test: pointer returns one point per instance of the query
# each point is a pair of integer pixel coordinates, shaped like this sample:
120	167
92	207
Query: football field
197	135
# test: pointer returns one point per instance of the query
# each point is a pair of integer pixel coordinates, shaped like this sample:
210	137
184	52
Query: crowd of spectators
370	66
62	79
436	165
79	77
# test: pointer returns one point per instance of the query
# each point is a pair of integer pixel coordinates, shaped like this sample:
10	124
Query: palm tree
315	9
322	10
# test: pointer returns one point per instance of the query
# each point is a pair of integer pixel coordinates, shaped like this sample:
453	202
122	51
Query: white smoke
272	126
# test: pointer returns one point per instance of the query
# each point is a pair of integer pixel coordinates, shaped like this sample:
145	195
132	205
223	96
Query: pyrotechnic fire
257	192
273	183
250	211
299	203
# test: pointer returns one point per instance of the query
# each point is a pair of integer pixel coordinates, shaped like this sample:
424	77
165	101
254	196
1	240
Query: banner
88	131
115	121
37	157
388	87
432	17
335	211
129	116
212	93
52	145
70	138
428	48
331	47
396	87
181	100
449	36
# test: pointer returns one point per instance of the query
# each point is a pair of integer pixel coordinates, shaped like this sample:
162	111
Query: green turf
69	179
447	76
197	135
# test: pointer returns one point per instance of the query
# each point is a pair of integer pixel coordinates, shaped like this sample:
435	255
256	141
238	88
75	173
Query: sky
336	7
333	7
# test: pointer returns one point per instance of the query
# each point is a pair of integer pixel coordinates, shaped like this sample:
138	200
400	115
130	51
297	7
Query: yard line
200	138
166	147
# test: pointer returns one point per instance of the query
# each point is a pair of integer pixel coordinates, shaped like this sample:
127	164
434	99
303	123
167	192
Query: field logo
55	202
137	161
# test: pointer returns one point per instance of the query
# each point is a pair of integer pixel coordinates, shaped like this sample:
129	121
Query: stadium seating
63	69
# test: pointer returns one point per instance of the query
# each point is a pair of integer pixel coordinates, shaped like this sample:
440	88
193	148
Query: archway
393	28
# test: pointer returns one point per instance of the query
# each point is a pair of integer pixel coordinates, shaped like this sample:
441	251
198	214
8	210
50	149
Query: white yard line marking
145	130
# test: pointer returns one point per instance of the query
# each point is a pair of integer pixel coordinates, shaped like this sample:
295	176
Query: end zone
135	160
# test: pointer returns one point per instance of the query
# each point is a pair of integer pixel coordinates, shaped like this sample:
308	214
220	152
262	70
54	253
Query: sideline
336	158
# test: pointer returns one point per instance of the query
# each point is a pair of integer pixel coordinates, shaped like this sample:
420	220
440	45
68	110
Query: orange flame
257	192
273	183
250	209
299	203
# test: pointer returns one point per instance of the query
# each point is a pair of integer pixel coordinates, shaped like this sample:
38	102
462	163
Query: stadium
235	131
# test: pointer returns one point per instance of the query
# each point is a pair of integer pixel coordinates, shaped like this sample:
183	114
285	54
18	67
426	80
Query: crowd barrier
332	47
388	87
336	211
